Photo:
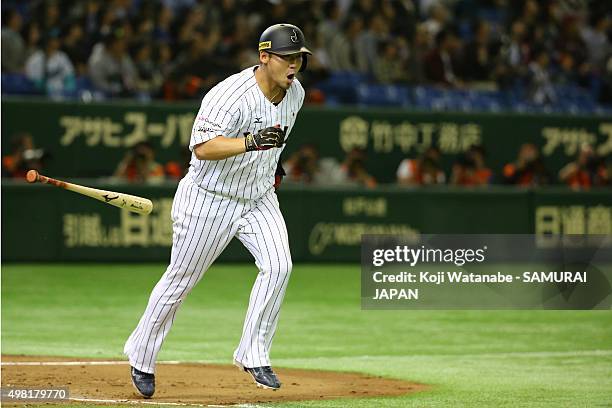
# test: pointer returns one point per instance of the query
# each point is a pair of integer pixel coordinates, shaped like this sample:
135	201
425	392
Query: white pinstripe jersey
232	108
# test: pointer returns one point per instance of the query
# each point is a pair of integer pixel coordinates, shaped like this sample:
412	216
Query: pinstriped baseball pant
203	225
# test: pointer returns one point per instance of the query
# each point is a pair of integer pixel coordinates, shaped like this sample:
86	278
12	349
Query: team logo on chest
258	120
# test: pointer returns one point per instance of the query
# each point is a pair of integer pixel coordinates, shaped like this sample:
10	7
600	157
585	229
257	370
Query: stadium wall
41	223
99	133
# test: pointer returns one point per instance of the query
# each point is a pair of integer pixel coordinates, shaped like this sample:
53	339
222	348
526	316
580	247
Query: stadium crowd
177	49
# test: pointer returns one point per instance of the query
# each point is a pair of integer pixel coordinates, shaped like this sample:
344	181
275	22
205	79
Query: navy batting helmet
284	39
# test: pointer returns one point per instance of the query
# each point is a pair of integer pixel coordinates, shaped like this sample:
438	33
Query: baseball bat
126	201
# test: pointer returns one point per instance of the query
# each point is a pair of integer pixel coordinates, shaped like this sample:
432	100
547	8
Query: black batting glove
265	139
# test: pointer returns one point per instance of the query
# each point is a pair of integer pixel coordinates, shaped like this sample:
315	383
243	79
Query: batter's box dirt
189	383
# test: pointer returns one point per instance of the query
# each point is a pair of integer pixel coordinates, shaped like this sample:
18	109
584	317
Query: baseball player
236	143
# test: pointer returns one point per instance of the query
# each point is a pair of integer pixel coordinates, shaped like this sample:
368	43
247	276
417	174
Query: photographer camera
139	165
528	170
353	171
470	168
303	165
424	170
24	156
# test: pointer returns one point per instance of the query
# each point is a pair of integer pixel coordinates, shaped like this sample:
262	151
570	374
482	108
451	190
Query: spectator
148	76
479	56
571	45
595	37
547	29
49	15
278	12
330	26
111	68
441	64
605	95
108	20
400	17
419	49
470	169
163	29
50	69
389	68
197	69
513	56
528	170
318	66
91	20
144	26
13	46
541	90
344	55
75	46
179	5
194	22
303	165
577	52
425	170
368	42
586	171
438	20
32	37
363	8
164	57
139	165
24	156
526	11
352	171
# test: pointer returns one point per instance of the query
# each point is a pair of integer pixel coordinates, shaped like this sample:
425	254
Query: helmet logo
294	37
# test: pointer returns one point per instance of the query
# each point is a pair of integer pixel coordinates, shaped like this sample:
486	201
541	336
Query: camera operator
24	156
139	165
528	170
587	170
470	169
303	165
424	170
353	170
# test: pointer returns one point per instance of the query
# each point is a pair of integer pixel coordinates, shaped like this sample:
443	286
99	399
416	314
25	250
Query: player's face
282	68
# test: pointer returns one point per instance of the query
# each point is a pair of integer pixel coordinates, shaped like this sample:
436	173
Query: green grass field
470	358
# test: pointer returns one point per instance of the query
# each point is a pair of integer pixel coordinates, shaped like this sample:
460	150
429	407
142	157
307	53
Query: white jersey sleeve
214	120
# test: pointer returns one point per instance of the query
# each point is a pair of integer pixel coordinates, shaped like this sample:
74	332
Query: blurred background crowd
432	54
305	166
435	55
468	170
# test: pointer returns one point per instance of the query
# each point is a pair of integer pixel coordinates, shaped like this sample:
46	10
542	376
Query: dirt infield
188	383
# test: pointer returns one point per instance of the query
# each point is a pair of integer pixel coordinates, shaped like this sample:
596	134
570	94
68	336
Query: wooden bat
126	201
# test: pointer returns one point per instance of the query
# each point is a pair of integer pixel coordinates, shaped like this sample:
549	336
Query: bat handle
32	176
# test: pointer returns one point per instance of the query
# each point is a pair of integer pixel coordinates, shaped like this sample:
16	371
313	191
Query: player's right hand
265	139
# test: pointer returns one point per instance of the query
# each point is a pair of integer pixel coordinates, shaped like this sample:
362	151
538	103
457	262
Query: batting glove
265	139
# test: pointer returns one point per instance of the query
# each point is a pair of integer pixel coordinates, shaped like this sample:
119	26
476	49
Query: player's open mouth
290	77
